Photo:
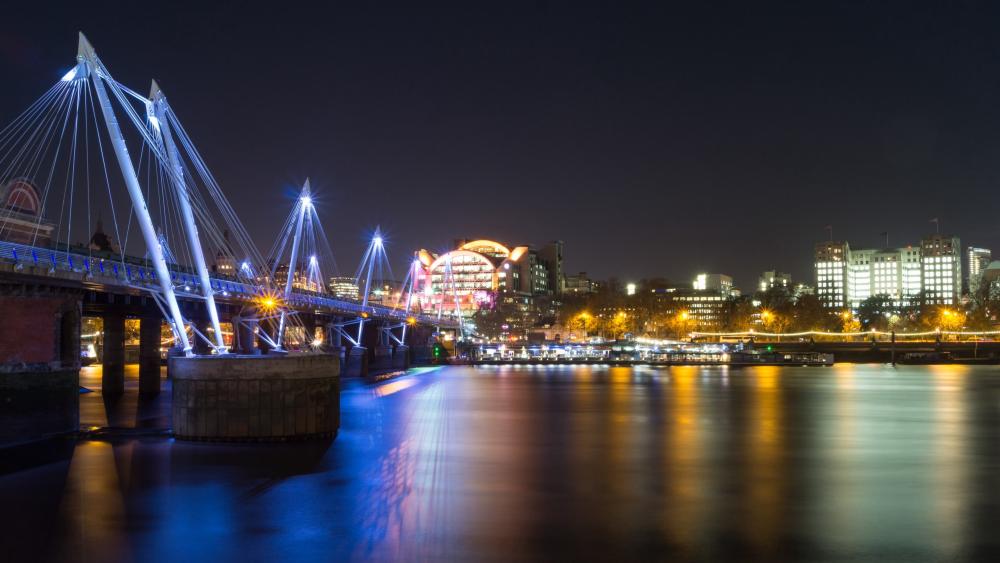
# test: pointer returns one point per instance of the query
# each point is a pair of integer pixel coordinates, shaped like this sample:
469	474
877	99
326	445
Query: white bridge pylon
186	189
89	65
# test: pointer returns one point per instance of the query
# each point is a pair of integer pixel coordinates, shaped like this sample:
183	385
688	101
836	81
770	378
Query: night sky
653	140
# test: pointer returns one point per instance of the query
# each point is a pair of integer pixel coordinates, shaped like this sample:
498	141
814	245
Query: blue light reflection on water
588	462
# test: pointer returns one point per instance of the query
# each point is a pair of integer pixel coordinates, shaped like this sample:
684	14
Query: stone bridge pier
39	357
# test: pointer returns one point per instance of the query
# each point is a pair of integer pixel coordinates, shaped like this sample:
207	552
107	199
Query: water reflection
543	463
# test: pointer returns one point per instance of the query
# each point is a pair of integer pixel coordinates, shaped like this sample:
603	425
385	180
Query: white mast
88	58
305	203
161	125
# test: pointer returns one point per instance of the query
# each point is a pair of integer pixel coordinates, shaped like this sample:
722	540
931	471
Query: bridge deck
131	273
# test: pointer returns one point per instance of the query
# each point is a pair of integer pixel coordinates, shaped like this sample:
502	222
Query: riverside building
932	270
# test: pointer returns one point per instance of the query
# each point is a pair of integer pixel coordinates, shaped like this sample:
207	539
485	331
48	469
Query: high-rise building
941	258
551	256
832	273
978	259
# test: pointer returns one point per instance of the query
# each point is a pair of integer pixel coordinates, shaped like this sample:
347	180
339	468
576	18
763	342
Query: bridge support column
113	362
357	362
401	357
383	359
244	338
149	355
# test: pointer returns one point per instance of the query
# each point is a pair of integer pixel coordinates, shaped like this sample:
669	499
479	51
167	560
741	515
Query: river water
845	463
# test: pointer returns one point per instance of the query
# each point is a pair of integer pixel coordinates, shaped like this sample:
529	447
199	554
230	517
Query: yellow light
268	302
411	320
364	315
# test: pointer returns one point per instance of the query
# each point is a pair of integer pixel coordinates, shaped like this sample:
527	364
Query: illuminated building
846	277
832	273
477	272
714	282
978	259
299	281
771	279
344	287
942	269
704	302
578	284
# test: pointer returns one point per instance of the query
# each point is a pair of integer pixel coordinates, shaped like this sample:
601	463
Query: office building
846	277
832	273
978	259
579	284
941	258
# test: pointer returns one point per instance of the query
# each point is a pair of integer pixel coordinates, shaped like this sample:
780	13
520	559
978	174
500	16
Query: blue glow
69	75
306	201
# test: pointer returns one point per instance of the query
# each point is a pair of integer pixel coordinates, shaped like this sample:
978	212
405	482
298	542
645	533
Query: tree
738	314
809	313
877	312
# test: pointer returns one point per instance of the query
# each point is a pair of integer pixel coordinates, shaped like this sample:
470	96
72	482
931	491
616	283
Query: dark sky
652	139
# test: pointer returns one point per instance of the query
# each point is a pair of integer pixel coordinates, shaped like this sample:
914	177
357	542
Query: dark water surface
556	463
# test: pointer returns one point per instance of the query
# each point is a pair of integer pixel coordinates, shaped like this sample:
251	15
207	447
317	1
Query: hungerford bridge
91	148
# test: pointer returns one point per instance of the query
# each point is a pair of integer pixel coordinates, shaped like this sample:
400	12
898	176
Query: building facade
771	279
832	273
978	259
344	287
942	269
481	273
846	277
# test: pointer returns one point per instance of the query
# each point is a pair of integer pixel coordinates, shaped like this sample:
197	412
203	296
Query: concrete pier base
383	360
256	398
357	362
401	357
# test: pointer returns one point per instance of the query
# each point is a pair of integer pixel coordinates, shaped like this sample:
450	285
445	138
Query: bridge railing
130	272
